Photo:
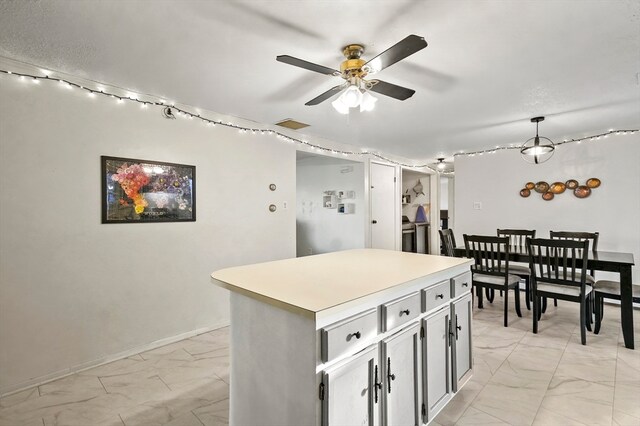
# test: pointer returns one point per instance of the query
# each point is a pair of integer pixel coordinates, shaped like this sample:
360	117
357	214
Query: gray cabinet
461	310
436	362
401	358
349	391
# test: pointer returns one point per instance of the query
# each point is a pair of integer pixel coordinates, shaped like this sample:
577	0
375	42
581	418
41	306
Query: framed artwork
135	191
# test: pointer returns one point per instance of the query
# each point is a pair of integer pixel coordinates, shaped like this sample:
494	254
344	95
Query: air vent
292	124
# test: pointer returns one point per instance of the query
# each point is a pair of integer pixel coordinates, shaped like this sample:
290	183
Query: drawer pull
406	312
356	335
465	284
439	296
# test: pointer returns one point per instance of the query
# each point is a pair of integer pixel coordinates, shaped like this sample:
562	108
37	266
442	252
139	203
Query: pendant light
537	149
441	164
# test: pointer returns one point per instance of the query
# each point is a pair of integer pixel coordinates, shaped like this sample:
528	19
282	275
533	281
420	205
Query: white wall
613	209
74	291
322	230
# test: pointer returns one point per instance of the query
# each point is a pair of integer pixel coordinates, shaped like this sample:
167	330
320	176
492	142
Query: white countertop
314	283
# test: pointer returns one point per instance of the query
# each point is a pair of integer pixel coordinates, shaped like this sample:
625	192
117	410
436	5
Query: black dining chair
448	242
518	240
609	290
490	270
592	237
558	270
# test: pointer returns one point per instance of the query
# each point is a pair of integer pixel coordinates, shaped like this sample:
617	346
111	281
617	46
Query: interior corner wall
613	209
324	230
73	290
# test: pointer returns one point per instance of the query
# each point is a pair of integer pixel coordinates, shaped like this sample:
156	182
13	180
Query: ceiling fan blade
405	47
326	95
306	65
392	90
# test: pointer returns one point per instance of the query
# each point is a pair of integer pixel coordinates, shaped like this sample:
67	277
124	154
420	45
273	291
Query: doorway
330	204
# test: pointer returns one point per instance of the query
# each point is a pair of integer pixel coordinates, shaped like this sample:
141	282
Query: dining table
610	261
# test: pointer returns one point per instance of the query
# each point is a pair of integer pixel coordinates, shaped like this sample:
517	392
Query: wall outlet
309	250
284	205
477	205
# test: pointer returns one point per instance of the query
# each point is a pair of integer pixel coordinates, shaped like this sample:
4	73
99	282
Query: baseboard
37	381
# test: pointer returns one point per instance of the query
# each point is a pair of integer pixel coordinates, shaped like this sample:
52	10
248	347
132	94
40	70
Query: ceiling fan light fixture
368	102
537	149
441	164
351	97
339	106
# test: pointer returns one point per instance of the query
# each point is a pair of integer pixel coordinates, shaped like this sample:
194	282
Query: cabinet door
462	345
401	373
436	362
349	392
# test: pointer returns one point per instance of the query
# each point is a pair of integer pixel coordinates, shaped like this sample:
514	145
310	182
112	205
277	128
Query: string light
565	141
133	97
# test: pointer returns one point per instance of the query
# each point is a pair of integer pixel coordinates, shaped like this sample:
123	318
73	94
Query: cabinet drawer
436	296
461	284
348	335
400	311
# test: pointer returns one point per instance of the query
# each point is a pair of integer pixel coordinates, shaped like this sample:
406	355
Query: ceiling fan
354	69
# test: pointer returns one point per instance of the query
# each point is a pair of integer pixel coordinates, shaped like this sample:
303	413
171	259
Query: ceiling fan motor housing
352	66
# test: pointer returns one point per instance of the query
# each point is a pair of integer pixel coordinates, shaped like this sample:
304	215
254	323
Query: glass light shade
339	106
441	166
368	102
351	97
537	150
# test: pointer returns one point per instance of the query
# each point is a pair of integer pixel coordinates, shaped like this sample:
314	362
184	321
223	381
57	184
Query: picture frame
139	191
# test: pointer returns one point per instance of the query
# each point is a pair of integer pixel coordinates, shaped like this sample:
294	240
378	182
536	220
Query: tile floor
519	379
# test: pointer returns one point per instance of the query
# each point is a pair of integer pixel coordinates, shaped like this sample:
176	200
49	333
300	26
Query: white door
401	373
384	225
351	393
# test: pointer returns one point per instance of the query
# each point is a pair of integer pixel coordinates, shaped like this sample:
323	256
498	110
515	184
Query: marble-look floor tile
19	397
626	399
513	395
623	419
587	366
452	412
546	417
580	400
628	365
138	387
79	384
216	414
473	416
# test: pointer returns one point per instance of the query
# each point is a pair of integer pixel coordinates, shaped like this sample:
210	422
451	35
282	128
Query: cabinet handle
356	335
439	296
465	284
374	221
390	377
457	327
376	385
406	312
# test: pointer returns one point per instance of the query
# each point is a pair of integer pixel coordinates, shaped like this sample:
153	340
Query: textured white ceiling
490	65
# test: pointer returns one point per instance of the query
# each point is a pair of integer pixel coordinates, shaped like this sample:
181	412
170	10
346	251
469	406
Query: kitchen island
362	337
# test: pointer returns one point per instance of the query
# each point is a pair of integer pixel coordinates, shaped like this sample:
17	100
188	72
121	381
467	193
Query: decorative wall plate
530	185
547	196
582	191
572	184
542	187
593	182
557	187
525	192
